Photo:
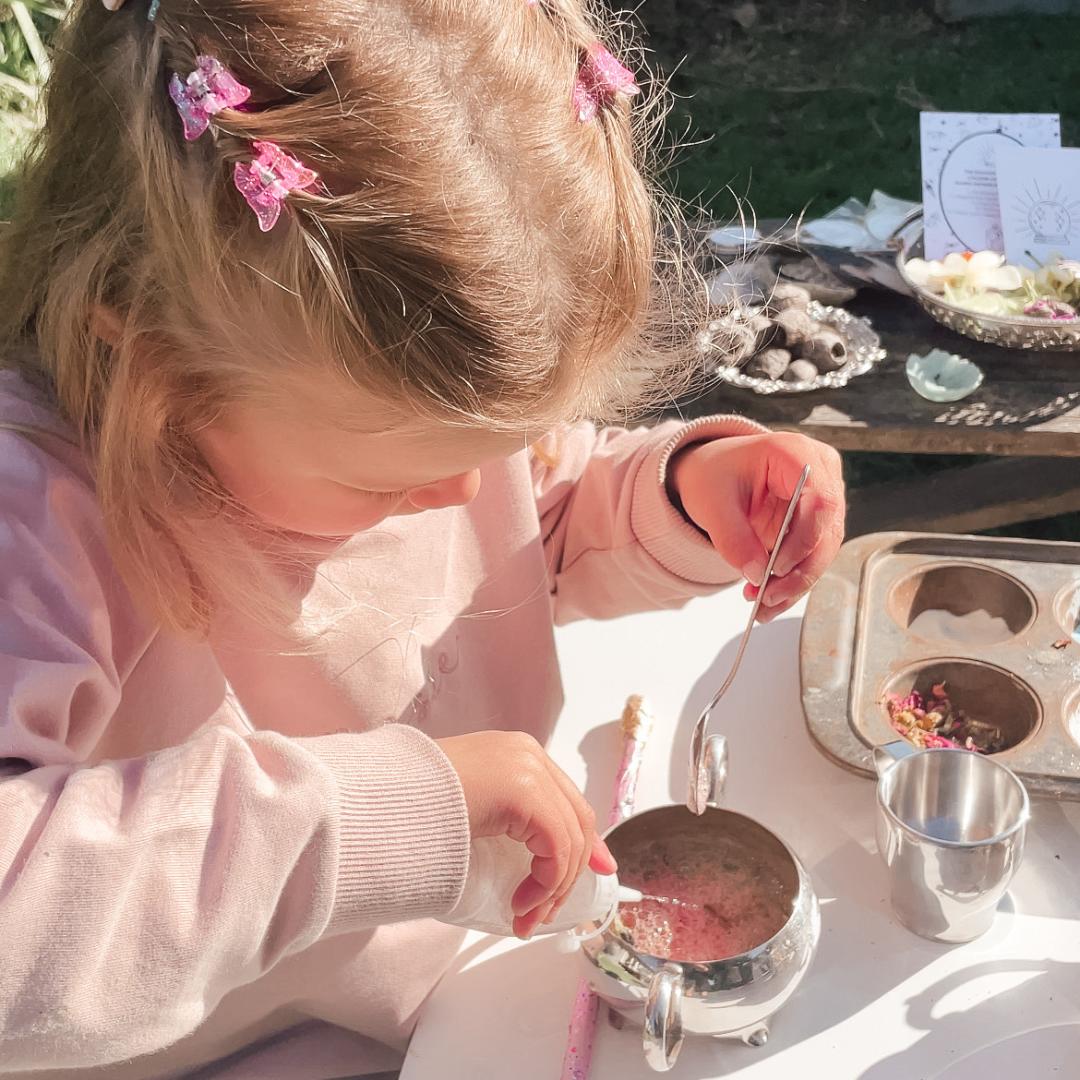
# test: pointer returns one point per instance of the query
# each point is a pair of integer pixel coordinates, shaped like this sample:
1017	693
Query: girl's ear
106	324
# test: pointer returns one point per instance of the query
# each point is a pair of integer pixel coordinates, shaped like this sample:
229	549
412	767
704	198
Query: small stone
794	327
764	330
746	14
769	364
827	349
786	295
801	371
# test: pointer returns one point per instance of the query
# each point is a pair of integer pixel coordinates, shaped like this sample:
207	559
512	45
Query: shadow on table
745	700
600	749
1051	882
1028	1053
748	698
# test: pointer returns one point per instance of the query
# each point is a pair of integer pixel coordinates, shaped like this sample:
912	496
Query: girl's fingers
524	926
546	835
807	573
795	586
787	590
740	544
582	833
539	898
601	861
557	838
812	542
529	896
808	525
767	614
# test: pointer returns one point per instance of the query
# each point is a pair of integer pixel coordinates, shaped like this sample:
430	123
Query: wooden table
878	1003
1026	416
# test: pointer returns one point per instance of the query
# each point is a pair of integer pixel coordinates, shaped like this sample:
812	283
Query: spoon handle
698	781
769	567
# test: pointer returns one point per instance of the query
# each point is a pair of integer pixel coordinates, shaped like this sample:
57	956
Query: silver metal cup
950	828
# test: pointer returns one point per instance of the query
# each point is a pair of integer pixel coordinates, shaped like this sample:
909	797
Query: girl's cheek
319	514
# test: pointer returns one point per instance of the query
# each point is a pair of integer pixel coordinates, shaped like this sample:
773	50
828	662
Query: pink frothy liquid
697	913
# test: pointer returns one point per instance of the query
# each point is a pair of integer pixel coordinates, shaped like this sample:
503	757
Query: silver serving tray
1018	332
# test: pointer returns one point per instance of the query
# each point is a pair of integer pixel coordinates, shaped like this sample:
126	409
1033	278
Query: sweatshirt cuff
660	527
403	848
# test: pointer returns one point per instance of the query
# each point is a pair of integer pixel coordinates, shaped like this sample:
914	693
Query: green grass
25	29
820	100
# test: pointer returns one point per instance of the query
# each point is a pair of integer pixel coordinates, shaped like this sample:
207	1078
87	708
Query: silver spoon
701	776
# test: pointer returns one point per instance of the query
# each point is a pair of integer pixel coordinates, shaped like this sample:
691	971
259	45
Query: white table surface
878	1003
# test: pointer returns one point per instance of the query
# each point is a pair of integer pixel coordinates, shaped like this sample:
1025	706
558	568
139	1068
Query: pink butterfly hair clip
601	79
266	181
210	88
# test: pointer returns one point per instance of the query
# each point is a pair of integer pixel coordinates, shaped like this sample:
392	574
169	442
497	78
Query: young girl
292	296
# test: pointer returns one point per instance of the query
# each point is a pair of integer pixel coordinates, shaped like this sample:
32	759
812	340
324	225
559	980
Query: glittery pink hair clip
210	88
600	81
266	181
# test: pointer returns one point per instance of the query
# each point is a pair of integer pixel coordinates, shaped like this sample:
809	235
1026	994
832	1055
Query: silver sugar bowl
732	997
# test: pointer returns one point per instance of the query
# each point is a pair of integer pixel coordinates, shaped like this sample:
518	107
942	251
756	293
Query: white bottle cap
571	940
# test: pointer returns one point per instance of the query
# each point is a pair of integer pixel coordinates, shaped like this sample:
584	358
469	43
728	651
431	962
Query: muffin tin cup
994	619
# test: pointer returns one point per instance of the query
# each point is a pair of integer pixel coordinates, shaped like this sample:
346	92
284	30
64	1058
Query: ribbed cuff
660	527
404	827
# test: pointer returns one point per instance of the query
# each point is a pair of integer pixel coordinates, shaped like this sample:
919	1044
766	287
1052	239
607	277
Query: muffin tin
994	619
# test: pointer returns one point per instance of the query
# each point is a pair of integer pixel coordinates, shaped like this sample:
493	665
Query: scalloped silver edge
861	337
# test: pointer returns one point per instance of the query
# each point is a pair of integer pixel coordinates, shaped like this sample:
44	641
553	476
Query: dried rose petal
943	726
1055	310
939	742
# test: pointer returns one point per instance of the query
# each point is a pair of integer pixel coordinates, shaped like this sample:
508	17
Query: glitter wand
636	726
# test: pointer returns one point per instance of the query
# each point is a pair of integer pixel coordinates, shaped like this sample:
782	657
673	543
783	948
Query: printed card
1040	204
961	211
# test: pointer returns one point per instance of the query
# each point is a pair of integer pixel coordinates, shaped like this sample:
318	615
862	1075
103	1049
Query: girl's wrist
679	466
671	480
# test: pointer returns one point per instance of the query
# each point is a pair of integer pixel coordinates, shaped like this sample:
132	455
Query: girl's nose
453	491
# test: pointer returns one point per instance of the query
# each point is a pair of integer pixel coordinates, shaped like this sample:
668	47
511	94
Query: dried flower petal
1054	310
942	727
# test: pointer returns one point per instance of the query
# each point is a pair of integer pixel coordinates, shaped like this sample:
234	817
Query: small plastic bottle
497	865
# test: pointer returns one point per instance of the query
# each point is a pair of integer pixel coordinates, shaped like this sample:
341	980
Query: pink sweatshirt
222	861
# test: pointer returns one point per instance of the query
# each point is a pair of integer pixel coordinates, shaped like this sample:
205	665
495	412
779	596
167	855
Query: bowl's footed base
753	1035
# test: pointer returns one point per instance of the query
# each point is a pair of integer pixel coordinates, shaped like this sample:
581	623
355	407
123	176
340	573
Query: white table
878	1002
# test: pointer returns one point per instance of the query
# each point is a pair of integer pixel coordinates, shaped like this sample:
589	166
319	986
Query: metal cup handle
888	754
708	774
662	1036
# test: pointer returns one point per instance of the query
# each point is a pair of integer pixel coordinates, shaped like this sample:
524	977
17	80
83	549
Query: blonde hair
476	255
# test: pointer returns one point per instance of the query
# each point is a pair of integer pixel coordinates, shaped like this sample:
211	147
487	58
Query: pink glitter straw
636	726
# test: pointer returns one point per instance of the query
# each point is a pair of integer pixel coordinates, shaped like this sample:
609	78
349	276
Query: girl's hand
513	788
737	489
